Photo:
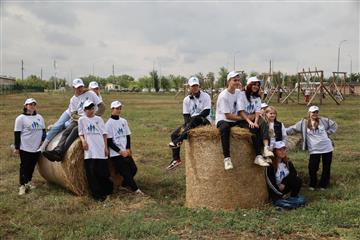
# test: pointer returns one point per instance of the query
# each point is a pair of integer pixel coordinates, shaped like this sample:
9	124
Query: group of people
101	142
236	106
242	107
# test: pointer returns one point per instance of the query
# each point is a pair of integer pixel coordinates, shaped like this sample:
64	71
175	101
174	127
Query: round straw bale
70	173
292	141
209	185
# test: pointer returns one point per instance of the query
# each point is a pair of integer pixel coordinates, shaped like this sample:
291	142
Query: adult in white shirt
118	138
29	132
92	133
76	108
315	131
196	112
250	109
227	114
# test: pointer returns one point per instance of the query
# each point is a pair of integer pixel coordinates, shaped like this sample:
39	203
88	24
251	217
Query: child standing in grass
277	130
281	178
315	131
29	132
93	138
118	139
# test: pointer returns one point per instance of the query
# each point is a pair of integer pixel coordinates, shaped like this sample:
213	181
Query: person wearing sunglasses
315	131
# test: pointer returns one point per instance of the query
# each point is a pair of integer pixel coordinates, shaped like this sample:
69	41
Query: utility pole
41	74
22	70
113	72
55	74
338	60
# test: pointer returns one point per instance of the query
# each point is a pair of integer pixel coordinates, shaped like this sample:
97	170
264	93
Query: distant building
7	81
112	87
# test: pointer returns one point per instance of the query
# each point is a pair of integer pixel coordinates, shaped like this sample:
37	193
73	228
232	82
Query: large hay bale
70	173
209	185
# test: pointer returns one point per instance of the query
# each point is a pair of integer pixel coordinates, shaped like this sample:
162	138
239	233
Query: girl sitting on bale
93	138
29	131
281	178
249	107
118	139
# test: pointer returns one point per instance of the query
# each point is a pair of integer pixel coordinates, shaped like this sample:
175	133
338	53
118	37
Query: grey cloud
53	36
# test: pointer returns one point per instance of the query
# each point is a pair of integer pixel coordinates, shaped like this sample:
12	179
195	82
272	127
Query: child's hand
124	153
85	145
281	187
16	151
106	152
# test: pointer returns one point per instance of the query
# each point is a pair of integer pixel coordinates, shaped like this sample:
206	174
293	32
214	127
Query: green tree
209	81
155	78
222	77
201	78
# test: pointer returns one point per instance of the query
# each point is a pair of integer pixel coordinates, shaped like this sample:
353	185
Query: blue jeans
290	202
58	126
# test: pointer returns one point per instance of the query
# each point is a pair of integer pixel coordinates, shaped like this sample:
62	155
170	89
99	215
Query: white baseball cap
77	82
313	108
279	144
93	85
88	103
193	81
29	101
231	75
264	105
252	79
116	104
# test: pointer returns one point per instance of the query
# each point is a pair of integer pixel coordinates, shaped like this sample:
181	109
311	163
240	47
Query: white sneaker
22	190
139	192
228	164
29	186
267	152
259	160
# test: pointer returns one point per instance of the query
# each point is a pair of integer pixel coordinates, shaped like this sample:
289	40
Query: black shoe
52	155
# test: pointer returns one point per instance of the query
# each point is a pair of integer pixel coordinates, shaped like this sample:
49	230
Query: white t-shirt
226	103
31	128
272	135
281	173
318	141
195	105
117	130
77	102
249	107
93	130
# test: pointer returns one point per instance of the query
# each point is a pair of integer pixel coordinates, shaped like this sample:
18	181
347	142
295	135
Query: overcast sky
176	37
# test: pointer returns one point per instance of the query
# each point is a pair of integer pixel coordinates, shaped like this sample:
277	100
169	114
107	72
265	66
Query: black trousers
181	133
225	128
314	162
292	185
28	162
69	136
258	134
126	167
98	177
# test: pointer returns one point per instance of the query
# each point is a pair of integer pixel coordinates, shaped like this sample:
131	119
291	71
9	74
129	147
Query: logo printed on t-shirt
35	125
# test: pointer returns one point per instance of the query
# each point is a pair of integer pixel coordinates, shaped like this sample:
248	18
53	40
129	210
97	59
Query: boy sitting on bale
118	139
196	112
226	114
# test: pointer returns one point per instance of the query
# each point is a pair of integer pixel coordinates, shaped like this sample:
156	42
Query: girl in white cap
94	86
94	141
282	178
29	132
118	139
315	131
250	108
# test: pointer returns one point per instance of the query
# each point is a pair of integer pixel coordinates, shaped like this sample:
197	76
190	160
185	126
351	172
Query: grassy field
50	212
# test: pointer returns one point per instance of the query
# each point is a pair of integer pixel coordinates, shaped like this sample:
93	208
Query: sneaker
322	189
259	160
29	186
311	189
52	155
174	145
173	164
228	164
267	152
22	190
268	160
139	192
